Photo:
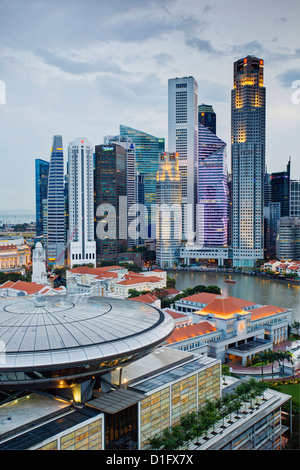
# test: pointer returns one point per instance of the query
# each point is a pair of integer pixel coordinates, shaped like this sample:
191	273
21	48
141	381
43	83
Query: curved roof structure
222	306
50	338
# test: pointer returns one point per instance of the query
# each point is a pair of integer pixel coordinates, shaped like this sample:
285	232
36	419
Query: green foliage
194	425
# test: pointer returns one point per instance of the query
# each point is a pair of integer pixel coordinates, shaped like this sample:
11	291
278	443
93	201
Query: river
253	288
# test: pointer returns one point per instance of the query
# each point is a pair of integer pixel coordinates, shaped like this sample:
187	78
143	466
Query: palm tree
262	358
281	356
272	357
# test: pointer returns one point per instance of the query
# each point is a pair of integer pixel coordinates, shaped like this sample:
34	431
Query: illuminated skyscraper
56	205
82	245
248	108
183	139
168	211
212	190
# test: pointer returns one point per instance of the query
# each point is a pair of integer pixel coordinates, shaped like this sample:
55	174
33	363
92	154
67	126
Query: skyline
83	69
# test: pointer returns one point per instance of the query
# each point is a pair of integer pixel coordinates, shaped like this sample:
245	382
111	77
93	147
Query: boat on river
230	281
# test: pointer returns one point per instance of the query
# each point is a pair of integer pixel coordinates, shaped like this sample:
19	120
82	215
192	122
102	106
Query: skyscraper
212	190
248	108
295	198
147	151
56	205
183	139
82	245
41	190
131	190
207	117
168	211
280	189
110	193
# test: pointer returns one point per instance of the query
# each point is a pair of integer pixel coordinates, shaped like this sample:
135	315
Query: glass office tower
148	148
41	191
212	190
207	117
248	109
110	188
56	205
280	189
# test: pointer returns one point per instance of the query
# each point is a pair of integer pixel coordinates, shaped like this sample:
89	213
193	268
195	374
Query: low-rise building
14	253
244	328
20	288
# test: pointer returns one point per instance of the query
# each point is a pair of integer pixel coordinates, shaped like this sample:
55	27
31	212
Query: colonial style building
227	326
14	253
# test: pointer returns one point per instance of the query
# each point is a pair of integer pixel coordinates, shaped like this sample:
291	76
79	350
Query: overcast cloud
82	68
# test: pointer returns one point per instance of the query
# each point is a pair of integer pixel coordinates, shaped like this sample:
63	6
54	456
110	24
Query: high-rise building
41	190
295	198
248	109
207	117
81	239
147	151
183	139
288	239
280	189
110	201
168	211
55	248
131	192
212	190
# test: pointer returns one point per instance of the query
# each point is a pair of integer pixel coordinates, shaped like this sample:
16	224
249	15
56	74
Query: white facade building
183	139
82	245
168	211
39	274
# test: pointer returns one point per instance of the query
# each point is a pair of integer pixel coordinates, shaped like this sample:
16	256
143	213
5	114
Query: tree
262	357
213	290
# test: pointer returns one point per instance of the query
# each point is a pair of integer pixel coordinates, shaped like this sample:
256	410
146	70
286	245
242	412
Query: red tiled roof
145	298
190	331
202	298
95	271
29	287
139	280
172	291
265	311
7	284
176	314
223	306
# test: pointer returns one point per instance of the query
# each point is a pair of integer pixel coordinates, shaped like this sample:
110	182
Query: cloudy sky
83	67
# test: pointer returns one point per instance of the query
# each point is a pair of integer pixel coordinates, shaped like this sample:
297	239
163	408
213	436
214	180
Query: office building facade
131	182
168	211
148	148
295	198
110	201
288	239
81	240
212	190
55	247
207	117
280	190
248	110
183	139
41	191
